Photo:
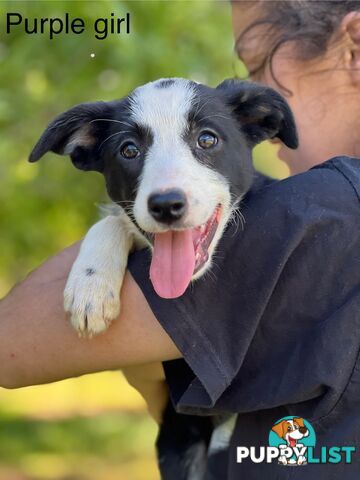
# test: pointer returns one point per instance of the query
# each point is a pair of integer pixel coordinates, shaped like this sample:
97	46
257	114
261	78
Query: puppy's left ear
261	111
78	133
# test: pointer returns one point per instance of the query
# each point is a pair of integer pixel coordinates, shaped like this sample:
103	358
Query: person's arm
149	381
37	344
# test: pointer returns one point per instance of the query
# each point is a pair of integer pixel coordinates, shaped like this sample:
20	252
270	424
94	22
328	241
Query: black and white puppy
176	157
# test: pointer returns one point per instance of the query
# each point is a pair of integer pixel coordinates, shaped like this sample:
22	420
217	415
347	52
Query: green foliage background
46	206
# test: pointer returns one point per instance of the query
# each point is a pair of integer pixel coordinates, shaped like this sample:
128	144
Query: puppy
291	431
176	157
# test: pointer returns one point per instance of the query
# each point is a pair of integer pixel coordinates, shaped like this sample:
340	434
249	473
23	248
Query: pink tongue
173	263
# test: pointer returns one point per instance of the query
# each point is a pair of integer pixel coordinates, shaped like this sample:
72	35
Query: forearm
37	344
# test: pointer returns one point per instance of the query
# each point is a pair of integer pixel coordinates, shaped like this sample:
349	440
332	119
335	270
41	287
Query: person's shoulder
349	168
334	182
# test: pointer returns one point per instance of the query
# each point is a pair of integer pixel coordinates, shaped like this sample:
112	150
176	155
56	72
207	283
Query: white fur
93	301
221	436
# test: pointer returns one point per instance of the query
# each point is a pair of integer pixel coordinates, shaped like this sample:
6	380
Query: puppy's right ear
77	132
261	112
278	428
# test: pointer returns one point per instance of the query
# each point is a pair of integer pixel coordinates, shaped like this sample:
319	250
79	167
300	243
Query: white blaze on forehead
169	162
163	108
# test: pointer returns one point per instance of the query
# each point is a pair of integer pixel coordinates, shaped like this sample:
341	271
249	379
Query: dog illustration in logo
291	431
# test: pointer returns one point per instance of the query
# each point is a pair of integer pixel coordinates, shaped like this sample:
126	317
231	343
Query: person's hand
149	381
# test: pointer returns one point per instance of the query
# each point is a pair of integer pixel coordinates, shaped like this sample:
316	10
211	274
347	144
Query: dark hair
309	24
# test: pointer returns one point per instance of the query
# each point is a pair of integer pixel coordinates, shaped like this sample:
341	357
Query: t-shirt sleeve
272	322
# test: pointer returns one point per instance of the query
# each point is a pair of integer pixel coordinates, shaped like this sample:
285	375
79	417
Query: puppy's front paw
92	301
301	460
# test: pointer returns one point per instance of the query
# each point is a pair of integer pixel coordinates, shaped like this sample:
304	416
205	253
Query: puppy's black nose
303	430
168	206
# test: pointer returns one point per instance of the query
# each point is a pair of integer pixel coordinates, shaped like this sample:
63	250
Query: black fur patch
182	444
122	174
231	157
165	83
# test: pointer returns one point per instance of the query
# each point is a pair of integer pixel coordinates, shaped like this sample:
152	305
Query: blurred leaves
107	446
86	395
89	428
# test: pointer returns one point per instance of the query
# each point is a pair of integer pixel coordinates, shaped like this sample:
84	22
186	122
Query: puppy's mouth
292	442
179	254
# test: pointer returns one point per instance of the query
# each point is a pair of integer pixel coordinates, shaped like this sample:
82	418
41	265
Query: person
275	332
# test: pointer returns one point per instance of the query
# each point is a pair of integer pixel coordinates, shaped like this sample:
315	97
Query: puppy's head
177	156
291	430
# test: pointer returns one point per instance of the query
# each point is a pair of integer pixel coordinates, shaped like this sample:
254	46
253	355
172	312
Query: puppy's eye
207	140
289	428
129	150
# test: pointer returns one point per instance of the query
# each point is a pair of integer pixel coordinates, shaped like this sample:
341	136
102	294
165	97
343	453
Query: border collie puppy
176	157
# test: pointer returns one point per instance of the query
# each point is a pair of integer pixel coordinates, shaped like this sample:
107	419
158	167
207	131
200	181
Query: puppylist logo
292	436
292	442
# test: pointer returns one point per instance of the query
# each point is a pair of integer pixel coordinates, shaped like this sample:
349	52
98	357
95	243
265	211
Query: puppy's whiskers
125	201
113	135
213	116
200	108
238	219
111	120
61	124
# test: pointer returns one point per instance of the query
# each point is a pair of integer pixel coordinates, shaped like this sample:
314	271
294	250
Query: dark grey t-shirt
275	330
